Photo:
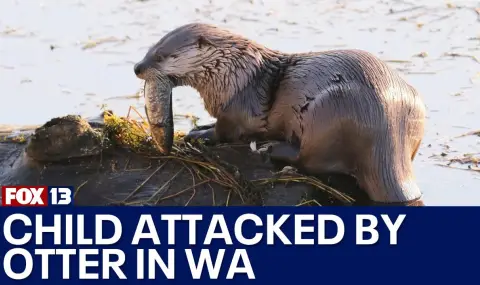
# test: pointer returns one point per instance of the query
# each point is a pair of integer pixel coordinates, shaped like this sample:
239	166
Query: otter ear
202	41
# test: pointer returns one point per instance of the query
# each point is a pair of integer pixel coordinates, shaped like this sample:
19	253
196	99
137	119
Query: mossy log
106	165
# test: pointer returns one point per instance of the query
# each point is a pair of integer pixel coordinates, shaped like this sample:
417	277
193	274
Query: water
48	66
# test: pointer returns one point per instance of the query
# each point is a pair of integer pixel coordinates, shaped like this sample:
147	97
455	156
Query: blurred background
75	57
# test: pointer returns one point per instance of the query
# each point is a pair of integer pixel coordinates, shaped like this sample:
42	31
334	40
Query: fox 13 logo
36	196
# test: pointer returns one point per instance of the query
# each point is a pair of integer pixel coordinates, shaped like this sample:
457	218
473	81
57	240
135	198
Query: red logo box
25	196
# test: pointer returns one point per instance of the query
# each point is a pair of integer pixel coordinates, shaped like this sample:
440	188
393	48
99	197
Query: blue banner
240	245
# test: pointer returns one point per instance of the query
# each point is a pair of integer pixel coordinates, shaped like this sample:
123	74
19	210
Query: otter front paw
203	127
205	136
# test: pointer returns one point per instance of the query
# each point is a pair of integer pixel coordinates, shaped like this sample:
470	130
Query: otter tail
387	174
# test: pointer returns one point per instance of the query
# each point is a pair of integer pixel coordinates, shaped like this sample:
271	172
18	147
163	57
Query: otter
342	111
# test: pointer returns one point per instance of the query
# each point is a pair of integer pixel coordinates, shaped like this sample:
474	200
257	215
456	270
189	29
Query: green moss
124	132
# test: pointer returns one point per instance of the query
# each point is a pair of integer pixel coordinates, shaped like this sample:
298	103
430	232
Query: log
69	151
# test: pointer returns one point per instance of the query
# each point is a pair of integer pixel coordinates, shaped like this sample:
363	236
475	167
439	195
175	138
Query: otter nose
138	68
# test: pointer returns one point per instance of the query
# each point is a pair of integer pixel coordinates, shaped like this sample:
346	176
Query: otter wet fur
341	111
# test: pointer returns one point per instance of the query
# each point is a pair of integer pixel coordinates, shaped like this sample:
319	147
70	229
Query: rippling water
62	57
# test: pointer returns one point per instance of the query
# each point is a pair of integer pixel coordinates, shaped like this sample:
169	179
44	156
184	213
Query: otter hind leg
284	152
281	154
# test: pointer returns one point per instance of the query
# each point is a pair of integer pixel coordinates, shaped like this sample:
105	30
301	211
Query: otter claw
287	170
280	152
207	136
265	148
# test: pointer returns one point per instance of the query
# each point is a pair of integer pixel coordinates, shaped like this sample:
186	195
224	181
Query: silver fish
158	108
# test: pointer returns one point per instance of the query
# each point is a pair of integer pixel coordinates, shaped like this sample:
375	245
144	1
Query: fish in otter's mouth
158	108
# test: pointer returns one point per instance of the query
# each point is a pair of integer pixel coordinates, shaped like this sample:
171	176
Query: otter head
215	62
184	54
181	57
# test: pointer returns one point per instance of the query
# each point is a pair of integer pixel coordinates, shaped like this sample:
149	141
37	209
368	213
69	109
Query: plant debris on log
204	166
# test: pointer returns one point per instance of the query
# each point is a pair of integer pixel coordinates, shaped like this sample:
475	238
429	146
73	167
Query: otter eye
174	56
159	57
